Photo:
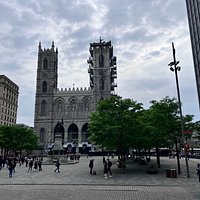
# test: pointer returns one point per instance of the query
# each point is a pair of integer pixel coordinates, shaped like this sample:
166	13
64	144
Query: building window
43	108
73	105
44	86
42	135
45	63
101	60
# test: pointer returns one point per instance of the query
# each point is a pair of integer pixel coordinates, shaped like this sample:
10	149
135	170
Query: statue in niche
59	129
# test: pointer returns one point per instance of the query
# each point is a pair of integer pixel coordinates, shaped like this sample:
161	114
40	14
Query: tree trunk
158	157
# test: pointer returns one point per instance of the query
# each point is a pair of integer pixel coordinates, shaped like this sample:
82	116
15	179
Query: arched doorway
85	133
86	146
73	136
73	133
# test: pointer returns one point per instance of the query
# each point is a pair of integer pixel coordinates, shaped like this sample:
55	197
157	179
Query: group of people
11	161
107	164
34	164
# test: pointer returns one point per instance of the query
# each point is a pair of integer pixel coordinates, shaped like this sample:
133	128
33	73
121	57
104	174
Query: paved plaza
75	182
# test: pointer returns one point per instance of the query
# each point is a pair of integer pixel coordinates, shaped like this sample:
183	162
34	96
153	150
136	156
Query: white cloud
141	32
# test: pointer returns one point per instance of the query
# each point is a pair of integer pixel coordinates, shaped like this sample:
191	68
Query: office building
8	101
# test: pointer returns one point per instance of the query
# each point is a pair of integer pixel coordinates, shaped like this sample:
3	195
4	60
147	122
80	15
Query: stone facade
9	92
64	113
193	11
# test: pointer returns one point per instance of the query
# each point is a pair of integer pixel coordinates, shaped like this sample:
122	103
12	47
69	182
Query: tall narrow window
45	63
43	108
73	105
101	60
42	135
44	86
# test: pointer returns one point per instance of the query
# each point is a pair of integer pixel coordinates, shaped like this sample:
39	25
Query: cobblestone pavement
75	182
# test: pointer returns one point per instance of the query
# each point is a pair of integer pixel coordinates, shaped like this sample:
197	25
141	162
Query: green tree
113	124
164	125
17	138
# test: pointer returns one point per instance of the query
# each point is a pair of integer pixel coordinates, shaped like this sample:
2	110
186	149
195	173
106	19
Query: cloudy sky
141	32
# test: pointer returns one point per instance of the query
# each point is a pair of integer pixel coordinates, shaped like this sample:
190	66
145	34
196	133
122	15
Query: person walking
40	165
109	167
57	166
105	169
30	165
198	171
35	165
104	159
91	165
13	164
10	169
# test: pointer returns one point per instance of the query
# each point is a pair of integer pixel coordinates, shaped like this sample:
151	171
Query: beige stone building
64	113
9	92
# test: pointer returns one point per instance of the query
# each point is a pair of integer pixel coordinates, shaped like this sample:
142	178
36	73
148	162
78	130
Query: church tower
47	74
102	70
62	115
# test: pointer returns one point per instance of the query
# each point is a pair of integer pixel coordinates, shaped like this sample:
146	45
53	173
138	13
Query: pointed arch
44	86
42	137
59	108
73	133
86	102
73	104
43	108
85	133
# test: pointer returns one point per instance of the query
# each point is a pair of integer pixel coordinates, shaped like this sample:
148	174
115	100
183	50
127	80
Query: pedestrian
91	165
109	167
198	171
104	159
105	169
40	165
30	165
35	165
10	169
57	166
26	161
1	161
13	164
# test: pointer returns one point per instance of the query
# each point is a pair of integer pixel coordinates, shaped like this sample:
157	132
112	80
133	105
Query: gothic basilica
63	114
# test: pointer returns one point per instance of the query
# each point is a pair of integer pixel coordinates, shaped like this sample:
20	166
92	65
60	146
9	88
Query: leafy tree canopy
16	138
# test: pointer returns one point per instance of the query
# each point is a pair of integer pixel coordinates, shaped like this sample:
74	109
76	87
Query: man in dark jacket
109	167
91	165
57	166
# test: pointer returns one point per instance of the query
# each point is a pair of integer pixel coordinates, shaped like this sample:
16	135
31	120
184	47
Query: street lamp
175	68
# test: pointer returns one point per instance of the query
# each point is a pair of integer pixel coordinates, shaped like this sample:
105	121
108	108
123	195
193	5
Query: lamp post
175	68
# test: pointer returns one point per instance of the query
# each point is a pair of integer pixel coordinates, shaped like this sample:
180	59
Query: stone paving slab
133	183
78	192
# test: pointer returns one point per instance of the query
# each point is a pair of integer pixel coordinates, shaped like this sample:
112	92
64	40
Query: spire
52	46
39	47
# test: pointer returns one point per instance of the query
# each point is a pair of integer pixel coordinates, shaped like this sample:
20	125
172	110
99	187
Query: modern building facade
65	112
193	11
9	92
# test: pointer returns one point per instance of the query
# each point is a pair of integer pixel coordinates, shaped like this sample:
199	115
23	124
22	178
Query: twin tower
64	113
